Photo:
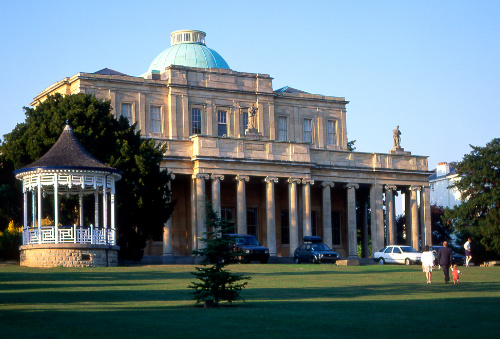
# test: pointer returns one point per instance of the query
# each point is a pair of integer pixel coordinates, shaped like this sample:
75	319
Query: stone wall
69	255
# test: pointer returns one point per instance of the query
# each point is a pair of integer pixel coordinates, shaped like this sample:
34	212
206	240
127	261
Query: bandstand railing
69	235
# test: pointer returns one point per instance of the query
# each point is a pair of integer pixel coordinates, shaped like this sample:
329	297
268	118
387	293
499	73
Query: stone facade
291	176
69	255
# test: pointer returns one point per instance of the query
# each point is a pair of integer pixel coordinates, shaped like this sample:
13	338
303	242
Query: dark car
251	248
457	258
313	250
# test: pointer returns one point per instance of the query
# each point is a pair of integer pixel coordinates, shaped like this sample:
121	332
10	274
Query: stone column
377	217
327	212
271	215
292	214
351	220
306	201
425	210
364	238
194	233
414	216
408	216
200	208
241	202
168	244
216	179
390	214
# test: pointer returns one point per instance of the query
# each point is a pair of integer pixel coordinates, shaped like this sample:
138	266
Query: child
455	272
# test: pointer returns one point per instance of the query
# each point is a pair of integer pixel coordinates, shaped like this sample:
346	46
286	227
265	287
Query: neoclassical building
274	163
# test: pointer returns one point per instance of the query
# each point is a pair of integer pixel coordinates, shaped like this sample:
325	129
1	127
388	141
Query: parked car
251	248
397	254
313	250
457	258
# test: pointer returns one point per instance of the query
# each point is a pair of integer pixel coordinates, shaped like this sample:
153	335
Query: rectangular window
282	129
314	223
332	128
221	123
195	121
336	241
127	112
244	122
285	227
227	215
252	221
307	130
155	119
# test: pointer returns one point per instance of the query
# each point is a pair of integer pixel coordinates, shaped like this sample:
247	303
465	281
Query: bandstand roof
68	154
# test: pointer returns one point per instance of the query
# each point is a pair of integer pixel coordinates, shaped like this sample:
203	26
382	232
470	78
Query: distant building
274	163
444	176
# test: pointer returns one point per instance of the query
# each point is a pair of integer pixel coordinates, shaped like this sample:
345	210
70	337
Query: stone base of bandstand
68	255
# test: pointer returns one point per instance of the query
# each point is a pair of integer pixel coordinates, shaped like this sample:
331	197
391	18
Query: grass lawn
282	301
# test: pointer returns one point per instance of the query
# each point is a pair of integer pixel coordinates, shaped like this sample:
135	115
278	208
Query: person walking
468	255
445	259
427	263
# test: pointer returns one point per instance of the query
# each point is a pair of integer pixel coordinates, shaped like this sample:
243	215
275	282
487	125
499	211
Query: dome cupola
187	49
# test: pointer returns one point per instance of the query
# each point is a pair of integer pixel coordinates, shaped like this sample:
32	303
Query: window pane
252	221
127	112
244	122
155	119
282	129
222	124
285	227
195	121
331	132
307	130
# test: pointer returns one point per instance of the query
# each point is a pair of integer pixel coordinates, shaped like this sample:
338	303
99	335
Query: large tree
441	229
479	213
143	198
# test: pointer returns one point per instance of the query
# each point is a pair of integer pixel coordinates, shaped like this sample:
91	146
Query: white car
397	254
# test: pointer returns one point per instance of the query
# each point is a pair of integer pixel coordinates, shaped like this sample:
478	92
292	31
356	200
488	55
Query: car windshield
319	247
247	241
408	249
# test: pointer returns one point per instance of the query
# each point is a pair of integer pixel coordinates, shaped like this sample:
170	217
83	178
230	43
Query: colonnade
378	226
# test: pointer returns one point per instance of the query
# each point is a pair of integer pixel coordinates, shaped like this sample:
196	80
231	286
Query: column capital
201	176
271	179
391	187
415	188
308	181
328	184
217	176
352	185
242	177
293	180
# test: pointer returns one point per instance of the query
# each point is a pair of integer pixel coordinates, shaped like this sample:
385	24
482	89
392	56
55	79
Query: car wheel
381	261
296	260
407	261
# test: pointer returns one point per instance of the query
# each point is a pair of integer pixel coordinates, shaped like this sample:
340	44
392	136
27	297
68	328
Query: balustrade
69	235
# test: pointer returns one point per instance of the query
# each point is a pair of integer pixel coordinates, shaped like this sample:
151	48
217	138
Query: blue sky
431	67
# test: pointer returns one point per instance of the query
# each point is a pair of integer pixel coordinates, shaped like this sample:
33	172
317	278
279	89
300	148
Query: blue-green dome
188	49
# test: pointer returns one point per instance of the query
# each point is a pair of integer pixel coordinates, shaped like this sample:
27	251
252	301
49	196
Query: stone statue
396	135
252	112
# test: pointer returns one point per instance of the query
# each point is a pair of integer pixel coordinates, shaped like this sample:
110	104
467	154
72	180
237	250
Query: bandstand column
168	244
425	210
351	220
105	209
241	202
200	207
216	179
33	208
56	210
377	217
80	203
25	208
96	208
414	216
292	213
390	214
327	212
39	211
112	198
271	215
306	197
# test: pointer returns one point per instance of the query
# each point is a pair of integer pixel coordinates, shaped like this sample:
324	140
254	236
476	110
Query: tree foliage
479	213
441	230
214	283
143	197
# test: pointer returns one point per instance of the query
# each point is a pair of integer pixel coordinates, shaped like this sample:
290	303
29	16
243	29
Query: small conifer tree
215	283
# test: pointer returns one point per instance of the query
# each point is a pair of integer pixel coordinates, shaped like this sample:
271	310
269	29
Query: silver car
397	254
